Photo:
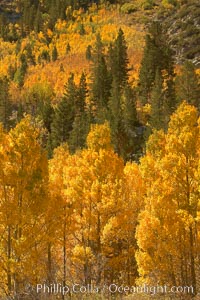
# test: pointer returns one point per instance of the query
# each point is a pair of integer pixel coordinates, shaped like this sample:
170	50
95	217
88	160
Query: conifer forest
99	149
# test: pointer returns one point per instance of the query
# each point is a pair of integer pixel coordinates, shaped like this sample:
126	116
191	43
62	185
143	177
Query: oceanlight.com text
57	288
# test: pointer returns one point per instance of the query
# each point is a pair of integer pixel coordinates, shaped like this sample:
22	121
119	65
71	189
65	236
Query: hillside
44	45
182	25
99	149
180	19
68	33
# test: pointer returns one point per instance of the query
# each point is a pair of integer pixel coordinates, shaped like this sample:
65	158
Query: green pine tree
88	53
45	112
12	68
68	48
24	65
82	29
148	70
157	106
100	86
77	139
119	60
115	118
29	54
170	102
5	103
64	114
54	54
21	71
3	27
78	135
157	54
122	103
132	148
38	20
187	85
18	46
82	93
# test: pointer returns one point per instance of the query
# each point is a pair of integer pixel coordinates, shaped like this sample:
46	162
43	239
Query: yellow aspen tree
183	141
5	220
58	217
134	202
119	233
167	231
94	185
24	178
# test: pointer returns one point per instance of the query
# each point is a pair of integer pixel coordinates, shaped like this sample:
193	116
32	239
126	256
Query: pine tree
100	86
122	106
88	53
129	108
29	12
78	134
170	102
54	54
115	118
3	27
82	29
38	20
187	85
53	13
119	60
64	114
21	71
81	124
133	145
18	46
62	69
68	48
5	103
124	121
24	64
157	106
29	54
157	54
44	56
11	71
147	71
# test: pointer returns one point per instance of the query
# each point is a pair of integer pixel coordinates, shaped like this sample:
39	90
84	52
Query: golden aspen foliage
94	179
99	137
169	245
24	178
93	212
58	216
119	242
7	56
106	21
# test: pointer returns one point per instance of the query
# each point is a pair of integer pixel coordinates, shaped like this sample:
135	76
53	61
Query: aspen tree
24	178
58	216
167	231
94	184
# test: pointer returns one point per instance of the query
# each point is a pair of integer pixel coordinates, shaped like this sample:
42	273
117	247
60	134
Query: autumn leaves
94	199
168	231
23	188
88	218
